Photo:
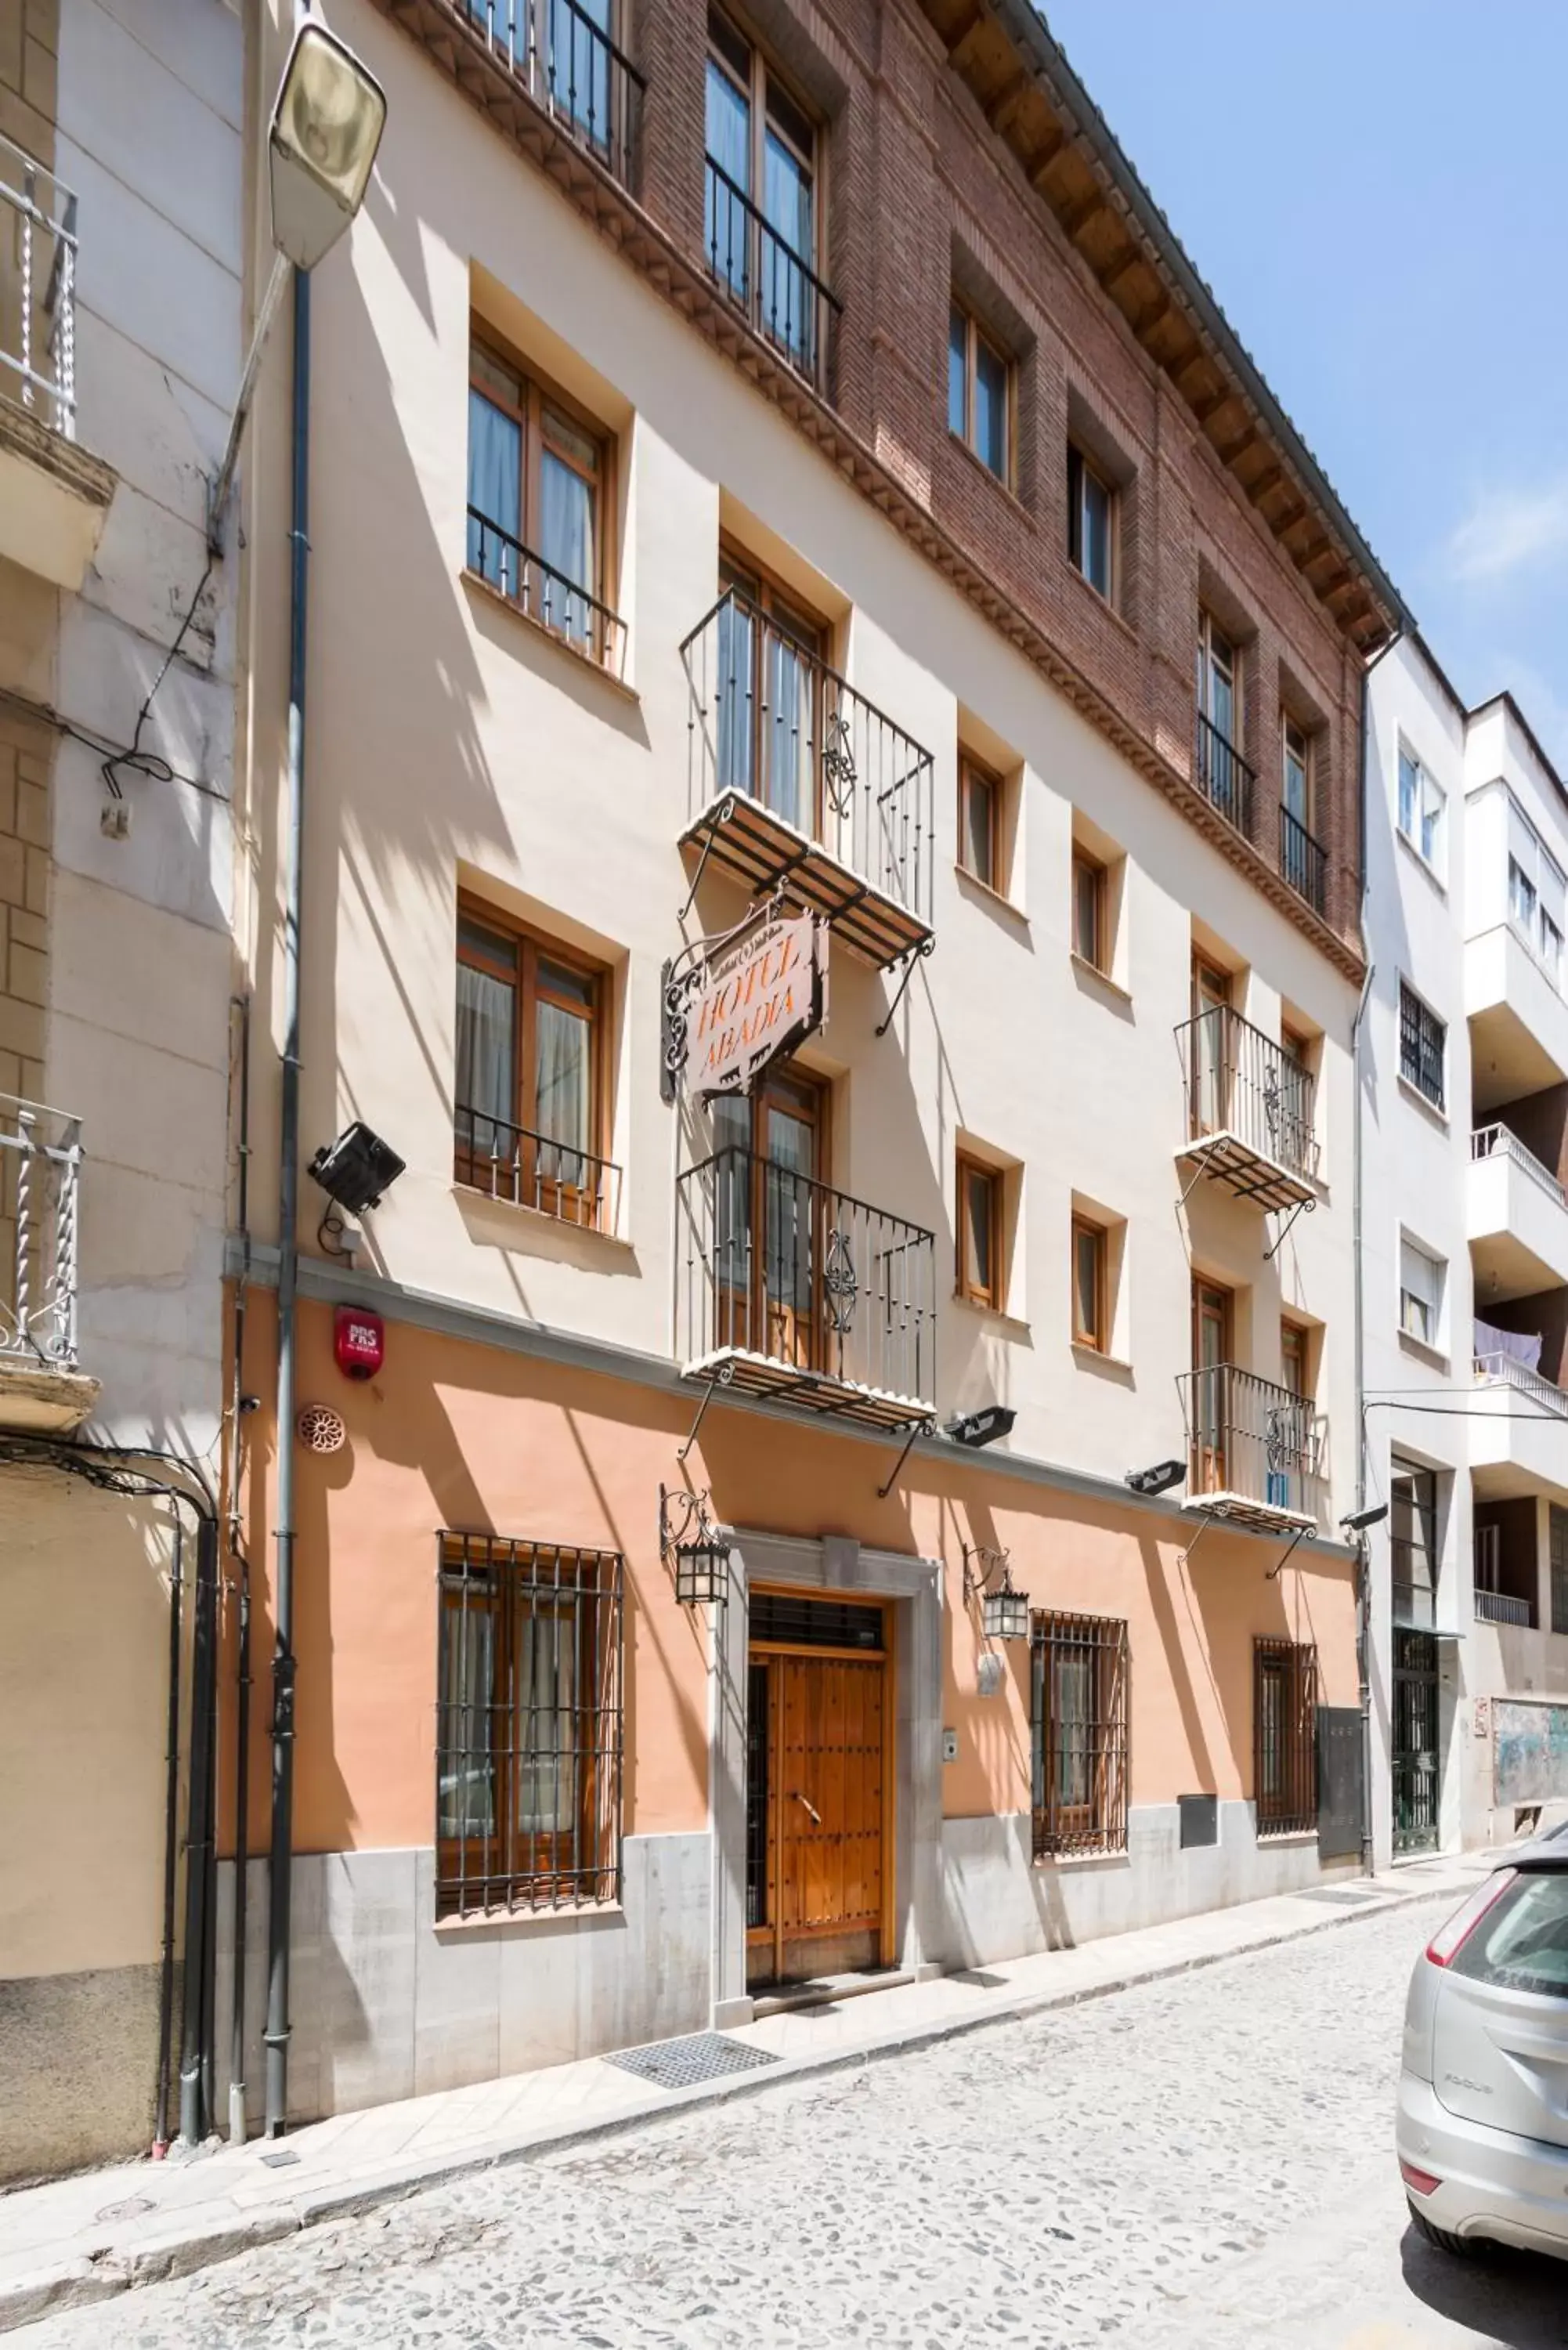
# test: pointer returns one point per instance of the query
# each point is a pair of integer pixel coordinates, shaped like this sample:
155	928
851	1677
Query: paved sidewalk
82	2238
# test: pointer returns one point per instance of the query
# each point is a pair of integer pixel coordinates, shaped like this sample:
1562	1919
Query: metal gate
1341	1783
1414	1750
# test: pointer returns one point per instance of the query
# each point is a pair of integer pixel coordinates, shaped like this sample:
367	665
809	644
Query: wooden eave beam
1078	216
1238	445
1127	259
964	31
1269	479
1157	308
1044	155
1004	106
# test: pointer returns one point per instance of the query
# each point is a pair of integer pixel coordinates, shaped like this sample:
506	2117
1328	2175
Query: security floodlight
1360	1520
1157	1479
326	128
356	1169
977	1428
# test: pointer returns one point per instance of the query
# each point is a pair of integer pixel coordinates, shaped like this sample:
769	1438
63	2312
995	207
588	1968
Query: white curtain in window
561	1091
495	491
485	1059
467	1776
786	293
546	1728
726	230
566	543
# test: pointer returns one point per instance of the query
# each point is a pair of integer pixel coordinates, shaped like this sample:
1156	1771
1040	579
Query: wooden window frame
1209	631
1100	1826
594	1208
1291	1809
974	335
975	776
538	397
967	1283
752	1318
1305	737
1432	1338
1296	1339
510	1868
763	74
1098	1340
1081	467
1085	863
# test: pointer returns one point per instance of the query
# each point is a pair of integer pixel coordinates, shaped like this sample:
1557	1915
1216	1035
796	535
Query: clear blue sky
1375	190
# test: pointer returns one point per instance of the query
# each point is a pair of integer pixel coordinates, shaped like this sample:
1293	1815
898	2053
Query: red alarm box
358	1341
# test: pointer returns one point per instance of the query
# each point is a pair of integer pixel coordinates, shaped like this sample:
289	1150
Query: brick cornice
456	46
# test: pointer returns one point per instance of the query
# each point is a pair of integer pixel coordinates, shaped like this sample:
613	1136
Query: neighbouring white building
120	351
1464	1080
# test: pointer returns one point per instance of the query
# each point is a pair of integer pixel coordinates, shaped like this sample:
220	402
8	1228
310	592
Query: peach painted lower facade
530	1439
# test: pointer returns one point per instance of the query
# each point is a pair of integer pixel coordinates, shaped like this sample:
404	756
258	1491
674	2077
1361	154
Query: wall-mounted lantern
690	1544
1004	1611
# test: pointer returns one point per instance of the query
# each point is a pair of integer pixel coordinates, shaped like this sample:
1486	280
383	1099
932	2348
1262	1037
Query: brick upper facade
923	192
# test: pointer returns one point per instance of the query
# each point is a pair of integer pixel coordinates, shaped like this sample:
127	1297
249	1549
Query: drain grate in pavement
701	2056
1338	1893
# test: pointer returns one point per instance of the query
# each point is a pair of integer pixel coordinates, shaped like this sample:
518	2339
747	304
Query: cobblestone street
1204	2161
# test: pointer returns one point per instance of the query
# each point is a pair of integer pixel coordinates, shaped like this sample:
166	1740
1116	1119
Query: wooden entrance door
818	1795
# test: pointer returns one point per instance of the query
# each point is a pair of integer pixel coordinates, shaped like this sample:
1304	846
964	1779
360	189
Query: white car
1482	2134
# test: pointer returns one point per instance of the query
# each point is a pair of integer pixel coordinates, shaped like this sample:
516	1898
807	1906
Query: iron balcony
569	66
795	779
1255	1449
1223	776
764	275
1303	861
41	1384
1250	1110
786	1287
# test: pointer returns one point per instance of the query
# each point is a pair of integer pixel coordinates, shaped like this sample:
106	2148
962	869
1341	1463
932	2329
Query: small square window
1090	1301
980	1233
1091	523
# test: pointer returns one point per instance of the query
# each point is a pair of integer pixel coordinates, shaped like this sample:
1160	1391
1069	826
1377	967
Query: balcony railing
1502	1370
546	595
790	1288
40	1168
1254	1450
37	290
1223	776
536	1170
1251	1109
764	275
566	60
1303	861
1501	1607
786	756
1500	1142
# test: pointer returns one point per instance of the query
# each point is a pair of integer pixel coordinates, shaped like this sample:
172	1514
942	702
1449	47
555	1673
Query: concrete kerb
159	2259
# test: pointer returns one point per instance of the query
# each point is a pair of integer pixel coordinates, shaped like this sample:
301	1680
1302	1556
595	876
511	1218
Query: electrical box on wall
949	1746
358	1342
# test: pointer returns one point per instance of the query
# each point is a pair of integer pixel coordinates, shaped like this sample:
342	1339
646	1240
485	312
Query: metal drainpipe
280	1859
171	1847
1364	1547
241	1556
196	2004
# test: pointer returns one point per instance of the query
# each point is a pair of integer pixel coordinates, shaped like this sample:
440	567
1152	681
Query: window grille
1285	1736
1080	1724
528	1728
1422	1041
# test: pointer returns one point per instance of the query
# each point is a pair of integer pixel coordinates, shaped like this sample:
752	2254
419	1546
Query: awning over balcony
798	782
808	1390
765	852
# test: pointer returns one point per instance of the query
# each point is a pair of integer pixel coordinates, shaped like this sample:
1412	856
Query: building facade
1465	1261
831	853
121	185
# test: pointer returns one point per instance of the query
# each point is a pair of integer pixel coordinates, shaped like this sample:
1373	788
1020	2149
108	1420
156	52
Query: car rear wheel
1459	2246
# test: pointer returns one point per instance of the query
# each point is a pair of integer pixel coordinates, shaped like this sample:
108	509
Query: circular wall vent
320	1428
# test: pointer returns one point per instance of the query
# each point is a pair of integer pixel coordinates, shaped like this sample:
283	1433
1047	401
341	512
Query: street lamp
326	125
1004	1612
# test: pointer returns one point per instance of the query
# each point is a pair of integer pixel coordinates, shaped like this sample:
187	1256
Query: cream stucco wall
449	741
